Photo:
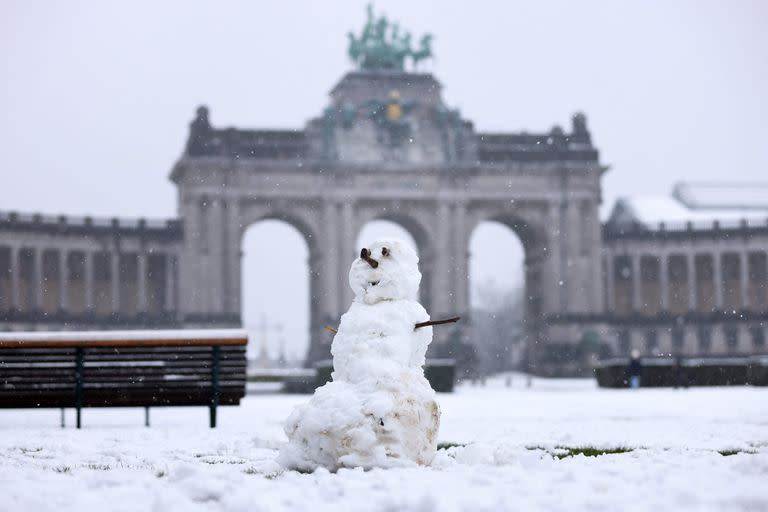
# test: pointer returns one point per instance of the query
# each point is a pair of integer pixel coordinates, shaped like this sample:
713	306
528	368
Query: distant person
633	369
681	379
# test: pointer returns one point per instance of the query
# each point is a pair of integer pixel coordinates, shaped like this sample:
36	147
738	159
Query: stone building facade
385	147
88	273
388	147
685	274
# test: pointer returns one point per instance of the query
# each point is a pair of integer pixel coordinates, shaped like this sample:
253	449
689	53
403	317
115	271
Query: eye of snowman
384	251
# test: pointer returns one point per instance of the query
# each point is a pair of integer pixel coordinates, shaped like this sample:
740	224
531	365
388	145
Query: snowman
379	410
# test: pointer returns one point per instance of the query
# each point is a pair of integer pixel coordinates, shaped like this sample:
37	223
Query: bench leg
62	418
215	356
146	416
79	377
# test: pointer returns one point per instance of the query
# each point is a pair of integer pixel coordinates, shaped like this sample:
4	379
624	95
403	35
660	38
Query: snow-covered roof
75	220
729	196
710	206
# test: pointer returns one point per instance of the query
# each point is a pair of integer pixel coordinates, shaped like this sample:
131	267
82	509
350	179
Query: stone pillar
170	298
88	279
114	260
717	279
440	289
330	279
460	277
346	252
593	226
15	277
232	273
609	290
693	303
744	280
216	265
636	297
191	259
141	258
37	278
664	281
553	298
63	280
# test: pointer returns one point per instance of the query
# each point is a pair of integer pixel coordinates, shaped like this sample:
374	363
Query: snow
723	195
379	411
75	220
651	210
180	465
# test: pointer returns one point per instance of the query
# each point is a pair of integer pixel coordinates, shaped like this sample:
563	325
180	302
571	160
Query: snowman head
386	270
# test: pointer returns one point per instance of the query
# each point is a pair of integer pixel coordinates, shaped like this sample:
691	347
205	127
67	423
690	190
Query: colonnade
36	278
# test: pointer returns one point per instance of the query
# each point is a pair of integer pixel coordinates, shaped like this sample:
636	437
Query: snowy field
509	461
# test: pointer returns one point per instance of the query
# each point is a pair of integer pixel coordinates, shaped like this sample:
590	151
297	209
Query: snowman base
390	423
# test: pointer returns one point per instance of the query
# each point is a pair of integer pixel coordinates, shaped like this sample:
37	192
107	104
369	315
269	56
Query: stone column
330	280
114	260
609	289
141	258
346	252
553	297
233	276
460	277
88	279
594	228
440	290
693	304
191	258
37	278
170	299
717	279
15	277
744	280
216	265
63	280
664	281
636	297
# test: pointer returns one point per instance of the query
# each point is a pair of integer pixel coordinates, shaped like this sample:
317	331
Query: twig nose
366	255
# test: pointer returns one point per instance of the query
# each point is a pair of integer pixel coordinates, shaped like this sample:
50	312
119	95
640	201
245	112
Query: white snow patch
180	465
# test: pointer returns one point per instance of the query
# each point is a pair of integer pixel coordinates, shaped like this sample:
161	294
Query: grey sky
96	96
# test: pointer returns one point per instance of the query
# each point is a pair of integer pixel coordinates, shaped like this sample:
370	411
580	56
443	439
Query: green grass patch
446	445
728	453
561	452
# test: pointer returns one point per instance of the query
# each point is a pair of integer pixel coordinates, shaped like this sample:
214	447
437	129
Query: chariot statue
382	46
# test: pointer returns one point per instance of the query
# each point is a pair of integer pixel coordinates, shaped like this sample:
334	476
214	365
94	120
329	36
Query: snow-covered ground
114	463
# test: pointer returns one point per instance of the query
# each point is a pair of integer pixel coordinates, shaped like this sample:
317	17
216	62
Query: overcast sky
96	96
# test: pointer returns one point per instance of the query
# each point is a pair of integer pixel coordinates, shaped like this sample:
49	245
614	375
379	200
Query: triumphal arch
387	146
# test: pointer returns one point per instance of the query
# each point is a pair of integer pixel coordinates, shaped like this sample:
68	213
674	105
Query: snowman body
379	410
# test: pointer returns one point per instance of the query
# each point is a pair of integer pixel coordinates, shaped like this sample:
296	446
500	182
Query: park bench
122	369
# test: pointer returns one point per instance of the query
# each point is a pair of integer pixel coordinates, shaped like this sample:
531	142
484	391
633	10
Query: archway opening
275	294
497	289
